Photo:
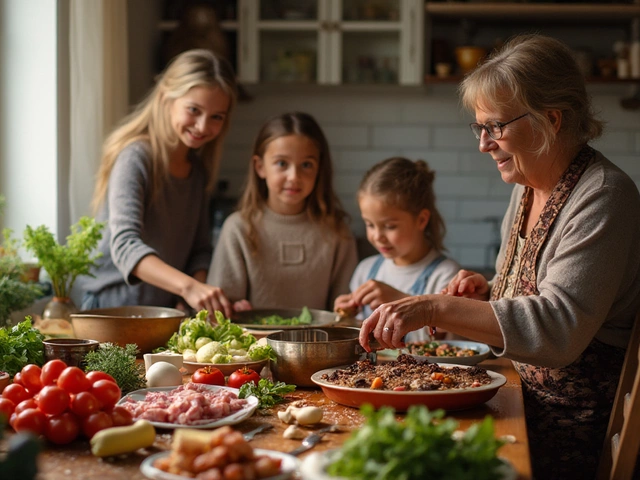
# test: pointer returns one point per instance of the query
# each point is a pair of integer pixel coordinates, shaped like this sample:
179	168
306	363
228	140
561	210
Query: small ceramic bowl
5	379
70	350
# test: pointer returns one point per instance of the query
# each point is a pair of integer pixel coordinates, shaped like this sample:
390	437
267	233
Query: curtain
98	89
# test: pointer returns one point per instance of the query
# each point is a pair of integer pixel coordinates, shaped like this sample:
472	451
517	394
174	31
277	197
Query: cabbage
208	351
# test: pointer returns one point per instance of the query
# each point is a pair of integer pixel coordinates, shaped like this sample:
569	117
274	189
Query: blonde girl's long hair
150	120
322	205
407	185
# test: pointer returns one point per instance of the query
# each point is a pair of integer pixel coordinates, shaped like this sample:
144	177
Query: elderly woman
568	273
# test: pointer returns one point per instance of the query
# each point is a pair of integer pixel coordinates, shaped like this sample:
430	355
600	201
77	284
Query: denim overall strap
375	267
421	282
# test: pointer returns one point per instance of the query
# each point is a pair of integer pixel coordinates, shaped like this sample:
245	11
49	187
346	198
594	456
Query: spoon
313	439
249	435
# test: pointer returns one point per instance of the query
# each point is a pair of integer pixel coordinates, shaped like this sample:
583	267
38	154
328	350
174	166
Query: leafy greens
19	346
120	363
267	392
420	448
304	318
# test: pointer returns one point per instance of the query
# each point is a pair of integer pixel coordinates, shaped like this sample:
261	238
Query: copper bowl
147	327
70	350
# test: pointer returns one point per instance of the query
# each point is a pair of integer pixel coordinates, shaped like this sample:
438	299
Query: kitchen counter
75	461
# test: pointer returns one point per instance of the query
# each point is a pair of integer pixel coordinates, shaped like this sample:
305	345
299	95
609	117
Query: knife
249	435
313	439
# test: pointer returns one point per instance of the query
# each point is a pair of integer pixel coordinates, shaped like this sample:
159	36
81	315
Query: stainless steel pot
302	352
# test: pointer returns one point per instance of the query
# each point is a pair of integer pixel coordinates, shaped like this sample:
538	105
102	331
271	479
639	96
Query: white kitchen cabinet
330	42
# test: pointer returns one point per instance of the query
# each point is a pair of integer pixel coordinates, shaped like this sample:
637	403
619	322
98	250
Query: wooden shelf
527	12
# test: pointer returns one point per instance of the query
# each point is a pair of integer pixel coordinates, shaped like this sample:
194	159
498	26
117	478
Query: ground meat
406	373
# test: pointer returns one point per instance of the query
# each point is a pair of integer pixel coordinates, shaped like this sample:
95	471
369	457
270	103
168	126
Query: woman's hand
390	322
242	306
468	284
202	296
374	294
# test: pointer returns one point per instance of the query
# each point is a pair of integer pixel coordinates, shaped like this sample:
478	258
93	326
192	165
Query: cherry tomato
96	422
51	371
63	428
107	393
30	377
73	380
17	378
208	375
23	405
53	400
16	393
84	404
121	416
96	375
6	409
30	420
241	376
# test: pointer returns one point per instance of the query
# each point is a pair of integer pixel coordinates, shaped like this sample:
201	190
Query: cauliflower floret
208	351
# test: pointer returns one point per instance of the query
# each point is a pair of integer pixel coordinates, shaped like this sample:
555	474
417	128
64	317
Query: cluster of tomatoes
62	402
213	376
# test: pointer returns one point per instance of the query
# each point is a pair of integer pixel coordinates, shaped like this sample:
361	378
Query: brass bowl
147	327
300	353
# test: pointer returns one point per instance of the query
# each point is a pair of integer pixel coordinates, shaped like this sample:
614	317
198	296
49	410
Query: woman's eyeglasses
493	128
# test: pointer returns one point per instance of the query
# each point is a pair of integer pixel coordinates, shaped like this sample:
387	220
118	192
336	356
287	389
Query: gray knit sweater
174	226
588	273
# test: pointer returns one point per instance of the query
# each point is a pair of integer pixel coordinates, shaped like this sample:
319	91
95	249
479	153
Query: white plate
234	418
290	465
226	368
314	467
482	349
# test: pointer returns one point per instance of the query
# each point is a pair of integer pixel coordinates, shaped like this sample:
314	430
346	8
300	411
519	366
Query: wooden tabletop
75	461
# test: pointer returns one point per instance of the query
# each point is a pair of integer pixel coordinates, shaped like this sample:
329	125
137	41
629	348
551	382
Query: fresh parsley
120	363
267	392
19	346
421	447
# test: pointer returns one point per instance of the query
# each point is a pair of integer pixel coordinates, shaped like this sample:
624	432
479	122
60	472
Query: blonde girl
158	169
398	206
288	245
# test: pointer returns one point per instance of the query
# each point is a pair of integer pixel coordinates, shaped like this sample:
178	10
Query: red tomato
121	416
30	420
6	409
96	422
241	376
16	393
107	393
51	371
208	375
23	405
30	377
73	380
96	375
84	404
62	429
17	378
53	400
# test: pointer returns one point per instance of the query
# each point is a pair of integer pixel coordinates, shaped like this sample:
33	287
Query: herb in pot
64	263
267	392
19	346
120	363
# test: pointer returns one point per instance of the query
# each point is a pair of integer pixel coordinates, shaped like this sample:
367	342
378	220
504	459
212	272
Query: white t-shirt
403	278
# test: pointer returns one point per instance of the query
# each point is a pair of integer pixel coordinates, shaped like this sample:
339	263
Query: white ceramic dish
290	465
226	368
237	417
314	467
482	349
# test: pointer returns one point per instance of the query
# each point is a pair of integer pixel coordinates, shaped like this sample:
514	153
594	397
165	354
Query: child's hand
242	306
345	306
374	294
468	284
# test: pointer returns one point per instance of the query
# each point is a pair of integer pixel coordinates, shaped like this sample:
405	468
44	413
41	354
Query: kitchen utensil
147	327
308	443
70	350
454	399
300	353
482	349
249	435
251	318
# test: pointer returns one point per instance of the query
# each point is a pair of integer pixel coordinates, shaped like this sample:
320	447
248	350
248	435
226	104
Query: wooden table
75	461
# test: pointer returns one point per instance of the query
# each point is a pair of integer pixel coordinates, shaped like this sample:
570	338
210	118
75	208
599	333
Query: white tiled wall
368	125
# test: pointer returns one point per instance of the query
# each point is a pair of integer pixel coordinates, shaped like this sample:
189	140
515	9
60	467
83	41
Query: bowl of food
70	350
284	318
300	353
5	379
147	327
459	352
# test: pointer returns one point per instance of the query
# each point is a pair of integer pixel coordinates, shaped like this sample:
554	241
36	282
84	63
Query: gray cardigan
588	273
174	226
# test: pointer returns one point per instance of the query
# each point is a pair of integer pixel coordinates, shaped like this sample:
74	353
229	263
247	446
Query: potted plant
64	263
15	293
